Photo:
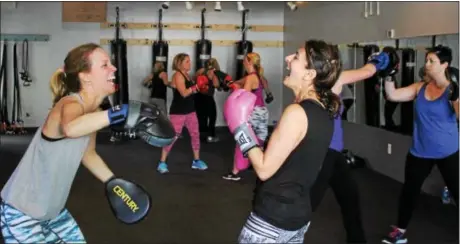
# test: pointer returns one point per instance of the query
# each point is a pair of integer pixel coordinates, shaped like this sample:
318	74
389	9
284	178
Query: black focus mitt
149	124
129	202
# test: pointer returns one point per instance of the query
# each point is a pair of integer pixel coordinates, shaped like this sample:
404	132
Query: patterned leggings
257	230
20	228
191	123
259	123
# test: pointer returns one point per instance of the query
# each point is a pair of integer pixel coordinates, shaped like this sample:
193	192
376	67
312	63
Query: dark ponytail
331	101
325	60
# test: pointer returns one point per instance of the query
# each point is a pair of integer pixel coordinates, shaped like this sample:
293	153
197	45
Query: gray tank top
40	184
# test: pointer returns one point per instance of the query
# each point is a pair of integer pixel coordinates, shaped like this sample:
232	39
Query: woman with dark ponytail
335	171
287	169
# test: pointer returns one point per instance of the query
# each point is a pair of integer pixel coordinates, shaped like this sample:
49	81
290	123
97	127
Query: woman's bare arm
287	135
94	163
164	77
179	82
75	123
403	94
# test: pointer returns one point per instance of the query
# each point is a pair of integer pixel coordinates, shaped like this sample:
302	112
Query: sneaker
162	168
199	164
231	176
211	139
395	237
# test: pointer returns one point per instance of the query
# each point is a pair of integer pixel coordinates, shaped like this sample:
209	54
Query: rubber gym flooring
192	206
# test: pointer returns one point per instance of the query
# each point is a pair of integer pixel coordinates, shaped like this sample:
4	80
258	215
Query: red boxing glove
228	79
202	83
233	86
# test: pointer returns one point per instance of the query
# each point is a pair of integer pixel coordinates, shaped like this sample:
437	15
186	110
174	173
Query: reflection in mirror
365	103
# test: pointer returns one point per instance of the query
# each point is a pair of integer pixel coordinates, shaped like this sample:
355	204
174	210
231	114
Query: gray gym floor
190	206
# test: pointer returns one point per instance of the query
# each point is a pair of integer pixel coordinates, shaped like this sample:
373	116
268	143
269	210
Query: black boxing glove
269	97
223	78
453	91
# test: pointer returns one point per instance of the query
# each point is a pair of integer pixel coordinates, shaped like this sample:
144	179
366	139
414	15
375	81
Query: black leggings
416	171
206	112
336	174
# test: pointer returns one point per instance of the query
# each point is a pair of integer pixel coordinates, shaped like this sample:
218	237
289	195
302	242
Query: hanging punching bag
160	48
203	47
4	91
407	78
118	48
371	91
121	95
243	47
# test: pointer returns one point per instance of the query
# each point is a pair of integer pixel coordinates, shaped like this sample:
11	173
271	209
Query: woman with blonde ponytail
32	207
57	85
252	82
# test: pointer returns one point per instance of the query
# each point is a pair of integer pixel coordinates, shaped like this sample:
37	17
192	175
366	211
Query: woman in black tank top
158	82
182	111
290	164
205	103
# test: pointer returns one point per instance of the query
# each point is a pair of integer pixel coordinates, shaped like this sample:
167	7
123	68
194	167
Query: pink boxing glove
237	110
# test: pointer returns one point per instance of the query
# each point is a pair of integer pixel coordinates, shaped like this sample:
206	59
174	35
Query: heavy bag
121	96
203	47
242	49
160	53
371	91
407	78
160	49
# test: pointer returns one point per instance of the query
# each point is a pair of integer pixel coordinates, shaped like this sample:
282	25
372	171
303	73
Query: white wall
46	57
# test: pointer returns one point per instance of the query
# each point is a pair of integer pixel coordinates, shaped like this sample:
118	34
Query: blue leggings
20	228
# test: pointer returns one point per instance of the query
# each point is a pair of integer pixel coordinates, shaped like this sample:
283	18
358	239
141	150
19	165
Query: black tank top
284	199
180	104
158	87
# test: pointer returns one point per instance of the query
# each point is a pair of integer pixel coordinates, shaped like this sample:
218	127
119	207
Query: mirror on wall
364	102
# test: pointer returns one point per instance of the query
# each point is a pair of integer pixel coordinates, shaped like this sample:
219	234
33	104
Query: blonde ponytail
255	59
260	70
57	85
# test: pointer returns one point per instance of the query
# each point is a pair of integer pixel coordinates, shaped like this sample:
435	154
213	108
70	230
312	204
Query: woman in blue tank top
435	134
